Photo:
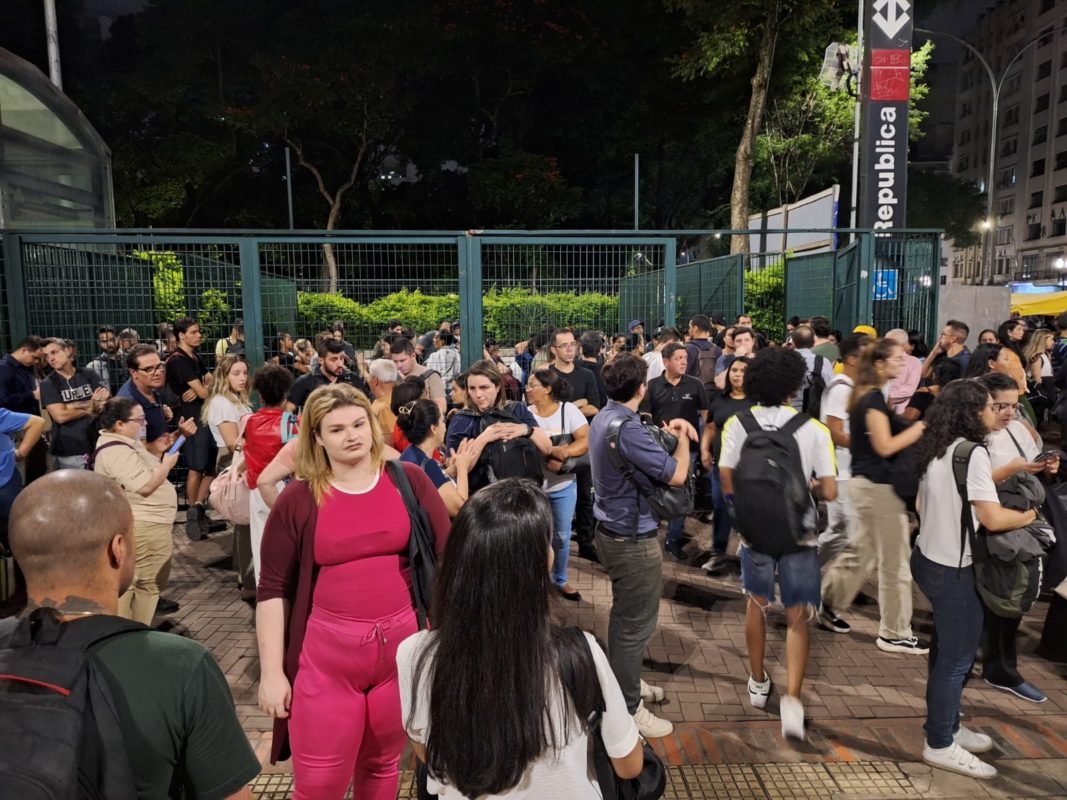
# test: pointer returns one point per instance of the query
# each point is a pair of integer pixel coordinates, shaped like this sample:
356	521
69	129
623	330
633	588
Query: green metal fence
500	285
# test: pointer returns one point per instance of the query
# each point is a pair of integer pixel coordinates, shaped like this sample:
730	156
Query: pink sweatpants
345	720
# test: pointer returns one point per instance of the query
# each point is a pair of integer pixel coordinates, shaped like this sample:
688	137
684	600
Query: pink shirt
361	549
903	387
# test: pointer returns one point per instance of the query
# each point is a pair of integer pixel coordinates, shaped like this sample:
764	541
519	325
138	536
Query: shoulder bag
666	502
422	557
574	462
652	782
229	493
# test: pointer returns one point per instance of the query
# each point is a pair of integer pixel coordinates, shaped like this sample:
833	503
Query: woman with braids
942	566
483	694
423	426
335	601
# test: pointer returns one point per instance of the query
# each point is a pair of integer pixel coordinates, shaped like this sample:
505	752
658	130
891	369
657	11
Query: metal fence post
864	307
252	300
670	283
740	267
17	324
933	324
472	336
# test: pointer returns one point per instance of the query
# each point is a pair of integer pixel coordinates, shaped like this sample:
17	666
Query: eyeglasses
998	407
137	420
156	368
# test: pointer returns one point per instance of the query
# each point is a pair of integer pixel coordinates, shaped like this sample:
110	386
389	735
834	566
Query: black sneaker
588	552
716	564
195	523
829	621
165	606
677	551
909	645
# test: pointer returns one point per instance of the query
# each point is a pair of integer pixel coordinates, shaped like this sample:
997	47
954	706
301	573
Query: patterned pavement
864	707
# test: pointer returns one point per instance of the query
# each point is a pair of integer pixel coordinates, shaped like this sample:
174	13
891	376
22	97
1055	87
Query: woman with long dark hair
990	358
482	693
335	601
943	568
423	426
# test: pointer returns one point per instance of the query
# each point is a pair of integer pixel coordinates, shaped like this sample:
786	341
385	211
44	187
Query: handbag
230	494
422	557
651	783
560	439
666	502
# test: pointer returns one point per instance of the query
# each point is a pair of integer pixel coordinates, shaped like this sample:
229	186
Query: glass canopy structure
55	170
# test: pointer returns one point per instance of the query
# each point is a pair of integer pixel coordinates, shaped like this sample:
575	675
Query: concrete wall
979	306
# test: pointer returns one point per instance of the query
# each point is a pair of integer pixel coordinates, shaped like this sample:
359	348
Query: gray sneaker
196	522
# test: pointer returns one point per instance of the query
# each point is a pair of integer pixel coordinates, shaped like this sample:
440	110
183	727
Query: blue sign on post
885	284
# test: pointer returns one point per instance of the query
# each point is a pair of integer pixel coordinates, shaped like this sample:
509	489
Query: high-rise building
1029	224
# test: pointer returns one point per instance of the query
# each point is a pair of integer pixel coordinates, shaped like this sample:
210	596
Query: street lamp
995	85
1060	265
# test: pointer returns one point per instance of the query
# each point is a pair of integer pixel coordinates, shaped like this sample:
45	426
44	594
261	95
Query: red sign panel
890	75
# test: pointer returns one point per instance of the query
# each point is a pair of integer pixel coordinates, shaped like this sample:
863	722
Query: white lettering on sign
891	16
885	168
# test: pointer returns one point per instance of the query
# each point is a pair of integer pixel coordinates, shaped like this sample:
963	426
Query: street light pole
51	27
995	87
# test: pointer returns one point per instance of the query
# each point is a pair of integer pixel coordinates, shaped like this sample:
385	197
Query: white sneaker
649	725
792	711
758	691
972	741
955	759
650	693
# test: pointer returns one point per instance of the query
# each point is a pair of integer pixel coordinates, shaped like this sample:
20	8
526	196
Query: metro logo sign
891	16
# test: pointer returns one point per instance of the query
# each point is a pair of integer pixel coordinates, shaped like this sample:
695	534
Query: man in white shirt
803	339
833	542
445	358
654	359
771	379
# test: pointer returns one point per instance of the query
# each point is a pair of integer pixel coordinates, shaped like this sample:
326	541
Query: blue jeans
676	530
563	503
958	619
721	523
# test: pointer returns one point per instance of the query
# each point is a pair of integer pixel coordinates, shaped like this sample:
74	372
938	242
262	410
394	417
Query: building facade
1029	224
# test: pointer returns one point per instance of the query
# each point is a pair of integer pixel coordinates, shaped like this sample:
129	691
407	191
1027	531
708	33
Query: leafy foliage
765	297
168	283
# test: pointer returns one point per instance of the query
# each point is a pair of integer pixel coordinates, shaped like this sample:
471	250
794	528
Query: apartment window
1046	6
1029	266
1037	168
1061	194
967	81
1004	235
1033	231
1037	199
1063	60
1011	116
1003	262
1061	160
1040	135
965	110
1059	227
1010	146
965	136
1006	205
1044	70
1041	104
1007	178
1012	86
1061	127
963	164
1063	90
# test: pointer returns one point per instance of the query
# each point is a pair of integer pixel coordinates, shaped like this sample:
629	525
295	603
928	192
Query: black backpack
518	458
666	502
61	738
813	392
707	359
773	507
1007	588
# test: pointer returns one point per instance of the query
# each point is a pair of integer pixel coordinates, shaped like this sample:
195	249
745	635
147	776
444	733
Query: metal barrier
500	285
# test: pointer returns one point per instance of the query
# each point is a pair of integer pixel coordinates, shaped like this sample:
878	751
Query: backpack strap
817	367
43	627
748	421
1015	442
419	592
795	424
961	463
92	460
611	436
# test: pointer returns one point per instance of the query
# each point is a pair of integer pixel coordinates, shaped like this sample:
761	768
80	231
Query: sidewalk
864	707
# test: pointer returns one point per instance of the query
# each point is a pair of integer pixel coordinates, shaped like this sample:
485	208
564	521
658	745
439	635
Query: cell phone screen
174	448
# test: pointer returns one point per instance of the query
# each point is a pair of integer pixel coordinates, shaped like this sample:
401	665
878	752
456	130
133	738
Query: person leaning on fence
485	695
335	601
772	378
626	528
73	397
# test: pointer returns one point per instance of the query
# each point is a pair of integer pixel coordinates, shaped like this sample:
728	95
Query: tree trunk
327	247
756	107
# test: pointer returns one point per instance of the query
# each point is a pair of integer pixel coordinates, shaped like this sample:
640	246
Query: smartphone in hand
174	448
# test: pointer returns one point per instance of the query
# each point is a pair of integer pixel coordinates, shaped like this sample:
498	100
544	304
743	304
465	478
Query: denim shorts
798	575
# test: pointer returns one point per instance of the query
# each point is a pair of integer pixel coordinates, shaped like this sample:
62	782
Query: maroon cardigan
288	570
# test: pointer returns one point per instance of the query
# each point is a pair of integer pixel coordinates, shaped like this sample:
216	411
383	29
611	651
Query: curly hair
954	414
774	375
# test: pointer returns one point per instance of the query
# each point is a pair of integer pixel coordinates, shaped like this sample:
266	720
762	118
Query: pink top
361	546
903	387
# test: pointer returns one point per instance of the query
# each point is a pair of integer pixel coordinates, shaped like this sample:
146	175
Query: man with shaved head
180	730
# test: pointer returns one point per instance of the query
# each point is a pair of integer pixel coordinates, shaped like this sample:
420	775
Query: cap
867	329
634	323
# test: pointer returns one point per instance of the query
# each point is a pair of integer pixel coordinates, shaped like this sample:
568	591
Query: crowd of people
817	463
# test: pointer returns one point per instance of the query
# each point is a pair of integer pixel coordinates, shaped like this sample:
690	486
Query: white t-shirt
835	404
655	365
567	773
940	505
1002	449
813	438
1046	366
222	409
567	419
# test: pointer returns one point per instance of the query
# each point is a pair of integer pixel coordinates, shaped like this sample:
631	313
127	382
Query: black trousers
584	522
1000	653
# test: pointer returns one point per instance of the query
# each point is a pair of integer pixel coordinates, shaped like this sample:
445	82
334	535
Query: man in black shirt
188	377
108	366
145	387
585	394
73	396
331	370
590	344
675	395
